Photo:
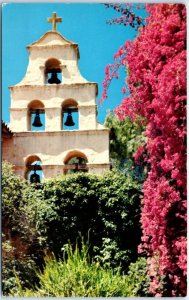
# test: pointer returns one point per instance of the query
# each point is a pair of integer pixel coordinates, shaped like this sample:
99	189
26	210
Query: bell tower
53	113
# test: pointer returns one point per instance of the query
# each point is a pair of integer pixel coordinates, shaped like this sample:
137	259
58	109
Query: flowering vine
156	64
127	16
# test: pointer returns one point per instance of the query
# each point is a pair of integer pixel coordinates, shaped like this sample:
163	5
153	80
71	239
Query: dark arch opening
70	115
33	169
53	72
75	162
36	116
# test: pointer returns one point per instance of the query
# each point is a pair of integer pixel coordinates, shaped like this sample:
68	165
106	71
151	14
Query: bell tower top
51	54
54	20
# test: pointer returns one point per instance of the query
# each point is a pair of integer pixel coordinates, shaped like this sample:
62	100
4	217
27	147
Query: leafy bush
16	264
76	276
138	283
119	211
126	137
108	207
12	187
23	229
16	258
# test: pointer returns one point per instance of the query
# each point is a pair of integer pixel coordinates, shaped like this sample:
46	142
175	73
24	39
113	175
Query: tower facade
54	91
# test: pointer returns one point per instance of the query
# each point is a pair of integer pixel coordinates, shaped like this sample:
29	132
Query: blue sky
85	24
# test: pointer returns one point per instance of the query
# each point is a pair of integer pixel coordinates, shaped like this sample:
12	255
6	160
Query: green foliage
11	186
119	212
108	207
16	264
16	240
23	229
137	279
37	209
75	208
77	276
126	137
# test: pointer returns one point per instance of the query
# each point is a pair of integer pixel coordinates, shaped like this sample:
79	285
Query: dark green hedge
102	209
105	207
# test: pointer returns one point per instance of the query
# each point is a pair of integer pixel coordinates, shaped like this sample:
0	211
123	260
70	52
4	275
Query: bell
54	79
35	178
69	120
37	121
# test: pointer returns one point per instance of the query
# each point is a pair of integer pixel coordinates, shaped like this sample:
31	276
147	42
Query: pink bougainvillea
156	64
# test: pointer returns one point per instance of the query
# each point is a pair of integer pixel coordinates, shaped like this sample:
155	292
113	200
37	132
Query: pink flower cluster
157	83
156	64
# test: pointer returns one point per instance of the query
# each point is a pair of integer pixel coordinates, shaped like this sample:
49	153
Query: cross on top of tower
54	20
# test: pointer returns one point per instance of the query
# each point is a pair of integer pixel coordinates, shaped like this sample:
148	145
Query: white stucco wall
53	147
53	144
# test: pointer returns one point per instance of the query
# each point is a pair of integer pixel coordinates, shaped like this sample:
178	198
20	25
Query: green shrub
137	279
45	219
16	234
119	212
108	206
15	264
23	229
11	186
126	136
75	205
76	276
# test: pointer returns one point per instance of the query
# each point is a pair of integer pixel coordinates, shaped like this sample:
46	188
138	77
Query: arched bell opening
53	72
70	115
33	169
36	116
75	162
